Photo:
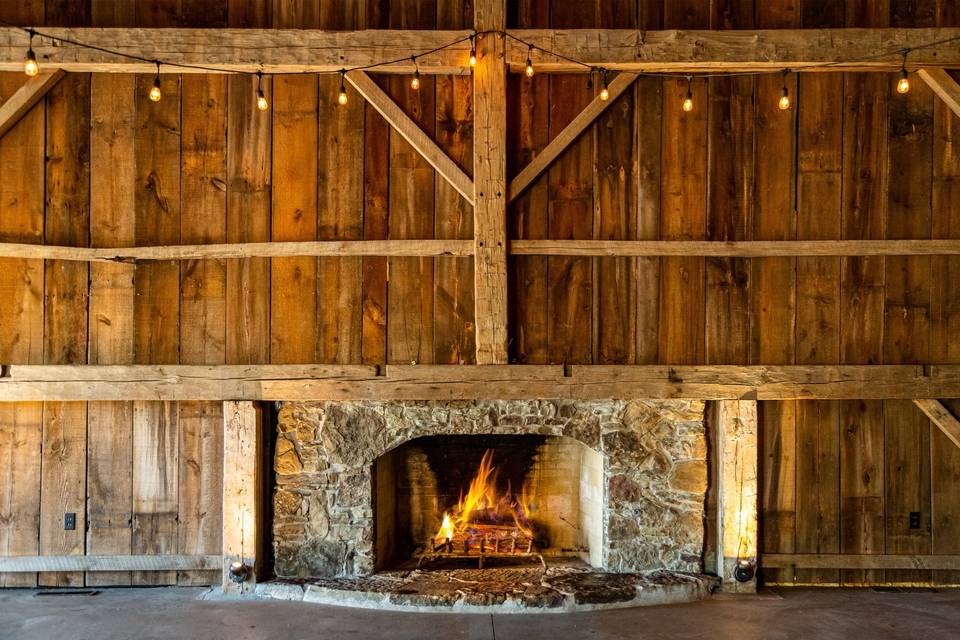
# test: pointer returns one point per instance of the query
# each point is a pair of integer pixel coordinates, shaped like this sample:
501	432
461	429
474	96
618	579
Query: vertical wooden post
240	492
737	491
490	182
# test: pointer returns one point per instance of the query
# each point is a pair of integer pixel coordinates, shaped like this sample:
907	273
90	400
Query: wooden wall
98	164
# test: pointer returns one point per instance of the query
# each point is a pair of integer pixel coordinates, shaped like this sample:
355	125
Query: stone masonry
654	466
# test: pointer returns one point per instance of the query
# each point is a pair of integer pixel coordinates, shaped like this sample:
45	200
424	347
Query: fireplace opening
487	500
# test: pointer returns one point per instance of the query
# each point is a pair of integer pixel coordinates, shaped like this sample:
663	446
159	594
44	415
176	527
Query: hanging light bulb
155	93
30	65
473	51
688	100
262	103
415	82
342	96
529	62
784	103
604	89
903	81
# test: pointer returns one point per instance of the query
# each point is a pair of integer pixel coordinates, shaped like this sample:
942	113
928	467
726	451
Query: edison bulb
784	103
688	102
604	94
30	66
342	98
415	82
903	84
473	57
529	68
262	103
155	93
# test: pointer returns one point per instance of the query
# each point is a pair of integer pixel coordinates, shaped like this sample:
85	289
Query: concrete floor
175	613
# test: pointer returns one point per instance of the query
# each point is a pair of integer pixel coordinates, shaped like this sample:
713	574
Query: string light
903	83
155	93
529	62
784	103
415	83
688	100
262	103
604	89
30	65
342	97
473	51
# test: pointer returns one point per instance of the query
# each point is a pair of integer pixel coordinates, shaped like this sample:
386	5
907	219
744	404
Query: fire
482	508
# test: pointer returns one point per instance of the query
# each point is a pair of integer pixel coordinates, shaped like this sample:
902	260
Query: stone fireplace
618	485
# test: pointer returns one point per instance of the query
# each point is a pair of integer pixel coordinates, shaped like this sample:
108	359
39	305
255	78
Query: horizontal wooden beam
743	249
941	417
412	133
298	50
735	50
473	382
334	248
465	248
31	564
232	50
859	561
32	92
542	161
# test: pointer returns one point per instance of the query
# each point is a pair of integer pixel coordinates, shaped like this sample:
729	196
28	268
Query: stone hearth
654	476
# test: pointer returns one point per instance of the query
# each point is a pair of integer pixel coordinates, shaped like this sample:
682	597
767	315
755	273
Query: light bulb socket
239	572
904	75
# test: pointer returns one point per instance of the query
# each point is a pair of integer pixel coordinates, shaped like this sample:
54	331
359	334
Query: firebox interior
560	479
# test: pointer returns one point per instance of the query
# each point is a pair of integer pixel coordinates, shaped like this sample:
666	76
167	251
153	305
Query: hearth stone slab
497	590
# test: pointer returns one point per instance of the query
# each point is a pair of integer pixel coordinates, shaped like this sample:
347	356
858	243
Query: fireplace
362	487
482	500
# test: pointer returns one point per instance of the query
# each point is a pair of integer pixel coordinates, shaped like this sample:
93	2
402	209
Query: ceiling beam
542	161
941	417
412	133
32	92
944	86
299	50
474	382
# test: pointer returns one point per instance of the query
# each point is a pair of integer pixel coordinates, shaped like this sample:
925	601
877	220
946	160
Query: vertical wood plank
570	302
293	330
615	215
861	484
454	321
155	485
21	426
200	485
157	143
248	202
62	486
945	496
203	181
410	305
907	474
241	478
376	216
779	441
818	481
340	215
528	127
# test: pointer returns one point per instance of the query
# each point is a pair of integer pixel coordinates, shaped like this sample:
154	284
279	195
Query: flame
481	505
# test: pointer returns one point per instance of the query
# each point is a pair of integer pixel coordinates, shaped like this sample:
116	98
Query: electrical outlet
69	521
914	519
